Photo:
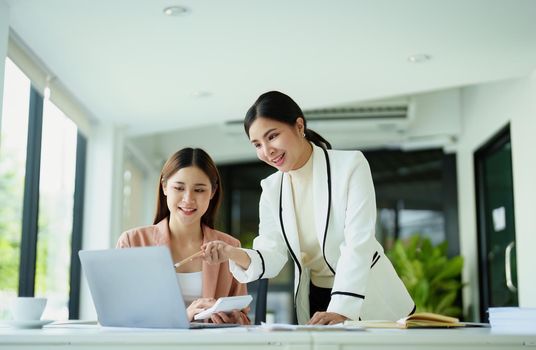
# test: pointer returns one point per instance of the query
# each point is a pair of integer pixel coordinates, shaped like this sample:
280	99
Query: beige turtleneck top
311	252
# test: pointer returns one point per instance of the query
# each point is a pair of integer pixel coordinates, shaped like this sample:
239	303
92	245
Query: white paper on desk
73	322
308	327
73	326
225	304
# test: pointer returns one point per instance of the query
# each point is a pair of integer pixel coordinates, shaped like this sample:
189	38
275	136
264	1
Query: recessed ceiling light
201	94
420	58
175	10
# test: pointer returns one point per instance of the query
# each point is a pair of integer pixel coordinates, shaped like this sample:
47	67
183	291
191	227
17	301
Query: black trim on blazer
285	235
329	210
349	294
374	261
262	261
413	310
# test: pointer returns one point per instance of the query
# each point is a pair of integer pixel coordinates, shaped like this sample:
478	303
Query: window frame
30	211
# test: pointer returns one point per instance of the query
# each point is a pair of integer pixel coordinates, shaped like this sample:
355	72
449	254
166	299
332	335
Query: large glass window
411	195
56	199
404	223
14	130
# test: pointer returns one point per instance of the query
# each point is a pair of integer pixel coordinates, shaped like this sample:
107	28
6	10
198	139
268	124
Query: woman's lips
187	211
278	161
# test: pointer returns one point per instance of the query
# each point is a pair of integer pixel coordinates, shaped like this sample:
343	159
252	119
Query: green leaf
454	311
449	285
432	279
426	249
446	301
421	292
452	268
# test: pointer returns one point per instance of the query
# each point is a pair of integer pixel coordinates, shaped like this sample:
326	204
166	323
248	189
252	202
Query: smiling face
188	193
280	145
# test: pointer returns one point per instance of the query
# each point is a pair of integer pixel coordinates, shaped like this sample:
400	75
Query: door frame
493	144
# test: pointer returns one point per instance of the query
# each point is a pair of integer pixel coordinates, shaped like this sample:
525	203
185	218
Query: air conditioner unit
371	117
359	118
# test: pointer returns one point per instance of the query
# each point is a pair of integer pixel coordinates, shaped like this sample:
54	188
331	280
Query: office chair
260	302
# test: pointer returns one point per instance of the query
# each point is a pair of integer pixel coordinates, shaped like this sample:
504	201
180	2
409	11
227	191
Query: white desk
435	339
241	338
117	339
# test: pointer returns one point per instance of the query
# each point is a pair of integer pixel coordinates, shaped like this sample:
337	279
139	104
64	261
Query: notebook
136	287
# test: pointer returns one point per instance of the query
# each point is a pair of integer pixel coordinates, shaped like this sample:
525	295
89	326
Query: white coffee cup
28	308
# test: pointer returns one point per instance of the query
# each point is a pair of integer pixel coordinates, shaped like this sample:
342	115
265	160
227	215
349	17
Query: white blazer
366	285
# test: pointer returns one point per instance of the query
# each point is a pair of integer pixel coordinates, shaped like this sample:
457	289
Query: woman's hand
215	252
199	305
234	316
327	318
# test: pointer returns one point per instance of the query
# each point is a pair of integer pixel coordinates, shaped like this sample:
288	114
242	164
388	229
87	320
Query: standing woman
189	196
320	207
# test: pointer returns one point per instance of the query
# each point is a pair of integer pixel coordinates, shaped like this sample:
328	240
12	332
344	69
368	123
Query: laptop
136	287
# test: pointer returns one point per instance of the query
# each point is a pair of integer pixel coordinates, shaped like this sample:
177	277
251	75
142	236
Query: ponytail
318	140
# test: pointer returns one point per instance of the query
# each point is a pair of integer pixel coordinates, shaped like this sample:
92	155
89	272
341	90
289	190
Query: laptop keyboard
199	325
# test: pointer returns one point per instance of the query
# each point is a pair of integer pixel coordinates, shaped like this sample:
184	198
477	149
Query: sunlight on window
14	128
56	199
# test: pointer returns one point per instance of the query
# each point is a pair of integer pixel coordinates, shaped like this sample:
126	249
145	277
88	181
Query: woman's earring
303	134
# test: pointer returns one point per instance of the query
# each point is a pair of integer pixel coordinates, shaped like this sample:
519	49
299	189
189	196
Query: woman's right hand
199	305
216	252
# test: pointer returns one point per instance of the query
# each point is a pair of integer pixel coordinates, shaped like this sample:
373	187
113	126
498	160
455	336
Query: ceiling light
175	10
201	94
420	58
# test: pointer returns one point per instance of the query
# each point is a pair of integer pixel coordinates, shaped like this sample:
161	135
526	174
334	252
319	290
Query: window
408	222
56	200
415	195
14	130
42	170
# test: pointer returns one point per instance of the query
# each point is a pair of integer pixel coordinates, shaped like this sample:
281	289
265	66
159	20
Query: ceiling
131	65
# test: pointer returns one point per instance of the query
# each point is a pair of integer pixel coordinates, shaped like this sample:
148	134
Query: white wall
436	113
4	35
103	195
436	121
524	171
485	109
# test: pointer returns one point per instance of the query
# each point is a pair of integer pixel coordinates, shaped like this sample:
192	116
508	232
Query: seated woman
189	196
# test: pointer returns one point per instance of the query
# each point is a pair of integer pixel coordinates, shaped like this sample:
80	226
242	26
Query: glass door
496	224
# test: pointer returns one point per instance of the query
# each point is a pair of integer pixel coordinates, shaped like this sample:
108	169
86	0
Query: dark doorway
496	224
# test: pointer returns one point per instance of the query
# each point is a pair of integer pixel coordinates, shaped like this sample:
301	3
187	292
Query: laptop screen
134	287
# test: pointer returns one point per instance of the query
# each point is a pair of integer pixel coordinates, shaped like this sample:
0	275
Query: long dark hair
278	106
181	159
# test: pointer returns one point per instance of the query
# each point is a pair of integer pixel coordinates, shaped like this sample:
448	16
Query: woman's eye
200	190
272	136
178	188
256	145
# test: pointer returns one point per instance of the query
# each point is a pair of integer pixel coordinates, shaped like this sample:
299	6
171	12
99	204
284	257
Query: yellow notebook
417	320
429	320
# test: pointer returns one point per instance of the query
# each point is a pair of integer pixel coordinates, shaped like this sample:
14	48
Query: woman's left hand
234	316
327	318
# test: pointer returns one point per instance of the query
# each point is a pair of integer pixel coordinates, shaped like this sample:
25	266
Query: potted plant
432	279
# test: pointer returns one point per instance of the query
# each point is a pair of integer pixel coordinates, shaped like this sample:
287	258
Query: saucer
28	324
